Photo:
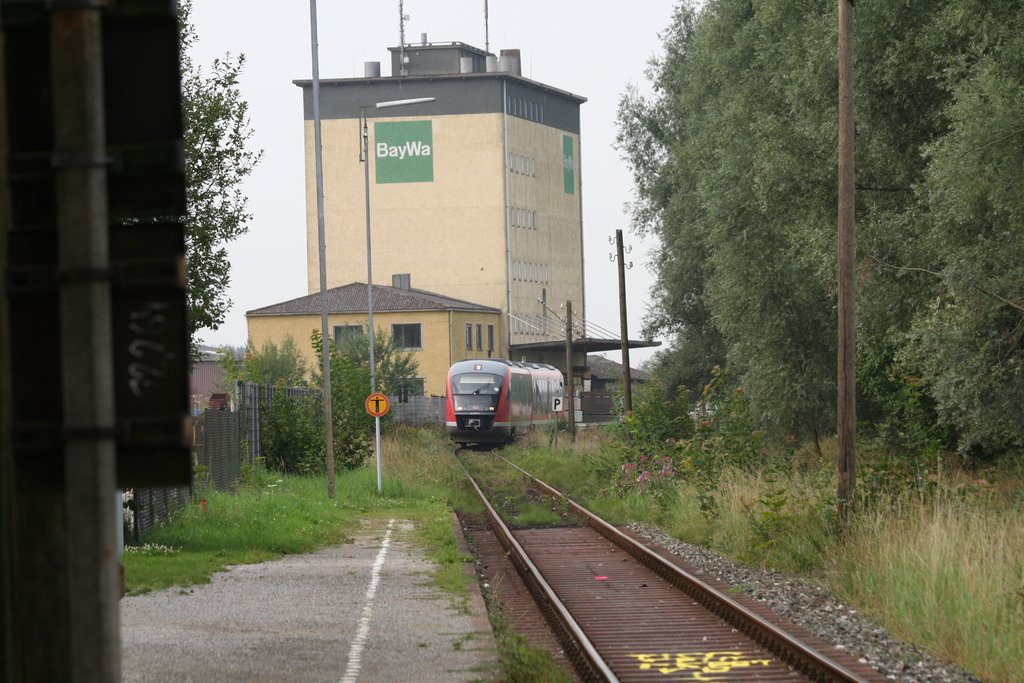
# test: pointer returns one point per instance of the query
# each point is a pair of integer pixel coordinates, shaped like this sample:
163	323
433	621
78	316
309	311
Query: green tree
969	339
217	160
394	367
734	279
274	365
734	161
291	423
353	428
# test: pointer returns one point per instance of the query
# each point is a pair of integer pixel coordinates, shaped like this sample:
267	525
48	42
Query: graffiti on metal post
148	326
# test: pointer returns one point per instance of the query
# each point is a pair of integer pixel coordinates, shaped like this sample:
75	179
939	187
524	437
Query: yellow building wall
442	333
448	234
491	226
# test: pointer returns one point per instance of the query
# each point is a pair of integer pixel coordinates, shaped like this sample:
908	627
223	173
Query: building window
469	336
490	338
409	387
479	337
407	336
344	334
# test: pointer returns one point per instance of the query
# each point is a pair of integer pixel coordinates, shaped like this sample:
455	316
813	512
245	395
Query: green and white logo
404	151
568	174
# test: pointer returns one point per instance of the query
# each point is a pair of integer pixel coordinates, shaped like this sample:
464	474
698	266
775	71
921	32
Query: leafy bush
291	433
353	428
659	419
291	426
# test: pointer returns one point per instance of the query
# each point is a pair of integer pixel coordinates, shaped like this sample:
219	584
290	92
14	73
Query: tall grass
943	570
947	574
288	514
781	519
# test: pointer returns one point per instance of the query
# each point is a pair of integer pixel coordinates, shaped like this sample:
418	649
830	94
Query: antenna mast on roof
403	70
487	34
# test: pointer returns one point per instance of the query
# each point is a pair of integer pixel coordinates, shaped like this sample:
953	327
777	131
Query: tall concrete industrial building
475	195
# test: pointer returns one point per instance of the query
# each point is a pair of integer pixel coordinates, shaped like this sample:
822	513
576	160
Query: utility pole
86	343
570	399
92	274
7	507
627	382
847	383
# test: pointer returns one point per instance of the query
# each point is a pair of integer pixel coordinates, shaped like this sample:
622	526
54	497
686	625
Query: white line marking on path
355	652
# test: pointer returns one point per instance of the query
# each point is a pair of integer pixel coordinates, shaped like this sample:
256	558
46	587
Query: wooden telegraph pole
627	389
569	398
847	384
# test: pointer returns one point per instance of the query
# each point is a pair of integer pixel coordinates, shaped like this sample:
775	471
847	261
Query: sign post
377	404
557	406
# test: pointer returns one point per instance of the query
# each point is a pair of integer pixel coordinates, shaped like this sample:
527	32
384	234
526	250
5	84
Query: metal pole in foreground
847	382
325	348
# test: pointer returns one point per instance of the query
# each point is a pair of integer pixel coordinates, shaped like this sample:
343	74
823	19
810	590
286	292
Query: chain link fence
419	410
217	449
216	459
250	401
148	507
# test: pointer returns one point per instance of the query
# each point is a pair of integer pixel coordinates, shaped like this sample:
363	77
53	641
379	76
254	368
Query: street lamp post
365	158
325	348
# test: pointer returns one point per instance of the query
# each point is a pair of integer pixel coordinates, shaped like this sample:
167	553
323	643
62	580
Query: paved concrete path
358	612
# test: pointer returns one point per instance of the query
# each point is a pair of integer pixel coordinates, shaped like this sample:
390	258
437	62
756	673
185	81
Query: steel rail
809	661
581	651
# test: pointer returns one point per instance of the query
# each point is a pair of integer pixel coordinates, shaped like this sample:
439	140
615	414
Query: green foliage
283	515
217	160
291	424
945	572
393	365
662	446
272	365
291	433
659	419
725	436
725	423
353	427
734	160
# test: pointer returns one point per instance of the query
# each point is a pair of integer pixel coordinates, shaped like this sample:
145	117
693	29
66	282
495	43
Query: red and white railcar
492	401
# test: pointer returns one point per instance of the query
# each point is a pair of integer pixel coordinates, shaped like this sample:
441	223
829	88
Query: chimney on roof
402	281
510	61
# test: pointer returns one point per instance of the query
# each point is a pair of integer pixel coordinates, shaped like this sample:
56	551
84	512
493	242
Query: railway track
619	610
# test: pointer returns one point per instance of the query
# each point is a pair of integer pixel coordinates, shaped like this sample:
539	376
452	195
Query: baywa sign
404	151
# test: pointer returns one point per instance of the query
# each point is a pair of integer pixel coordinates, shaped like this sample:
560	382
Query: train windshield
476	383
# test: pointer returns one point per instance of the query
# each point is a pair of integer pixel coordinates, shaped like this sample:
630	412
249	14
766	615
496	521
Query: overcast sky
590	49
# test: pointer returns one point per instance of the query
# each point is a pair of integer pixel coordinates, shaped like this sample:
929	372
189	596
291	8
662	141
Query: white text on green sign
404	151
